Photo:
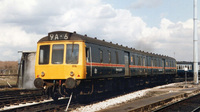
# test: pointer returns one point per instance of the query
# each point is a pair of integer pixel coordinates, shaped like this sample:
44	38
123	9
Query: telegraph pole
195	45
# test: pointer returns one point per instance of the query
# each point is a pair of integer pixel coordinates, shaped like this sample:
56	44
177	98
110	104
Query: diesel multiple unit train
181	65
69	62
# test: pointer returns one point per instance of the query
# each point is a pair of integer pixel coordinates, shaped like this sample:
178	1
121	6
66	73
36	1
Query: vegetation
8	67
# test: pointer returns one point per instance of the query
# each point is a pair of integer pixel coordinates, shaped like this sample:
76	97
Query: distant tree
8	66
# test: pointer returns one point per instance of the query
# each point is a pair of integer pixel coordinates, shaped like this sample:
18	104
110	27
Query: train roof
64	35
186	62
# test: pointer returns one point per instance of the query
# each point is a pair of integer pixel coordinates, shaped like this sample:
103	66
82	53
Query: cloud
146	4
14	39
26	22
170	38
15	36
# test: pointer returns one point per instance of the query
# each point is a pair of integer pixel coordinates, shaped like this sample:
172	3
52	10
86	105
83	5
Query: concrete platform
157	98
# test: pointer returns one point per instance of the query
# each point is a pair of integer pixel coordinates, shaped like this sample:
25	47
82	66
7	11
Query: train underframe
59	88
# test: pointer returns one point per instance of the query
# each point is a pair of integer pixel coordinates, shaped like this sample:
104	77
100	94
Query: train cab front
60	63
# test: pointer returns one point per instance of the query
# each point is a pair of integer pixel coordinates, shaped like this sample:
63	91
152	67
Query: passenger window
57	54
163	62
155	62
133	59
144	61
141	61
117	61
152	62
190	67
109	55
44	54
72	54
138	58
160	63
101	56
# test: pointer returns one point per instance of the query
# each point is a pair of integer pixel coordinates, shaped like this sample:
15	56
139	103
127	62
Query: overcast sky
159	26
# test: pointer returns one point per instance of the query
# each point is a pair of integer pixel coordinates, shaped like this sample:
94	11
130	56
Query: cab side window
44	54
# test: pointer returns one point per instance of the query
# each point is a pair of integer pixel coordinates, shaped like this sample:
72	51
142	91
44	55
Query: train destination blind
58	36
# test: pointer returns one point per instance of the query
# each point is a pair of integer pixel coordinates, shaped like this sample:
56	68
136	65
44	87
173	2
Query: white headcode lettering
51	36
66	37
56	37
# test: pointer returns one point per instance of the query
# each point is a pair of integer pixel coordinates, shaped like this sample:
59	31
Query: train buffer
158	98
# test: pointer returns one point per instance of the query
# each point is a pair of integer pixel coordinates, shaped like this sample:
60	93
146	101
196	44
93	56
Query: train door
126	61
89	61
152	66
163	65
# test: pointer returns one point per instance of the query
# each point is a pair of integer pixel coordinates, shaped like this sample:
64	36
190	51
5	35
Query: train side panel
104	62
109	62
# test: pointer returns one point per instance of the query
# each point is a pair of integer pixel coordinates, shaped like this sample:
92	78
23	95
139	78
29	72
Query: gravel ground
122	99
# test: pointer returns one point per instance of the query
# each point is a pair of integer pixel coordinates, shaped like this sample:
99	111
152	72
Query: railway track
35	100
19	100
16	97
48	105
44	106
190	104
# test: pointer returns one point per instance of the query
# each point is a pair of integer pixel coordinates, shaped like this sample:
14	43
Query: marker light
42	74
71	73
